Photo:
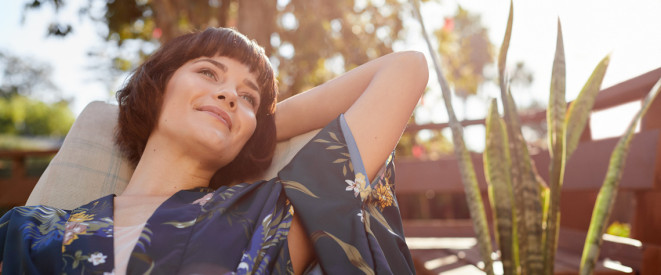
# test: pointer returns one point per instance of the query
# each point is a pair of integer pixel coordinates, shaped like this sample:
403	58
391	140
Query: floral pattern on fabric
242	229
87	225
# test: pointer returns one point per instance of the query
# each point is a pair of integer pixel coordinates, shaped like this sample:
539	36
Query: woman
201	113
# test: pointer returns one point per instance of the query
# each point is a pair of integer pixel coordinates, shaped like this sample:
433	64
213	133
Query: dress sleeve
30	242
11	243
354	223
4	224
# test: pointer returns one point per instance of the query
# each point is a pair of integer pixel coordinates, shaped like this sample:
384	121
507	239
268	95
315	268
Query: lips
218	113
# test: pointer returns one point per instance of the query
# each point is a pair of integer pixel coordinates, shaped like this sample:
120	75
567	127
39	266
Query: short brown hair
140	100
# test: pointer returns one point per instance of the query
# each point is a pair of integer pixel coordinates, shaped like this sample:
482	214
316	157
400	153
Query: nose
228	97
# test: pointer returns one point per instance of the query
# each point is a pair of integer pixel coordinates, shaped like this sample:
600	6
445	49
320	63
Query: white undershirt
124	241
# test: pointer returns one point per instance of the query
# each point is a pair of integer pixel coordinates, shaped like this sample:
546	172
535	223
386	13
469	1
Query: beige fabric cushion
89	165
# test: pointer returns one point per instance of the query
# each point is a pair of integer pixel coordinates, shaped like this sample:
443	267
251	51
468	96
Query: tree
24	77
20	112
24	116
465	44
304	38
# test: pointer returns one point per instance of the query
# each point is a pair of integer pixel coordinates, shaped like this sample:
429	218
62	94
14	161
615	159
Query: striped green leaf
525	185
504	47
579	110
555	116
608	192
496	170
521	212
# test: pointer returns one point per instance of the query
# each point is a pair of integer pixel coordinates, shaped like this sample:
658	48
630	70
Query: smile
217	113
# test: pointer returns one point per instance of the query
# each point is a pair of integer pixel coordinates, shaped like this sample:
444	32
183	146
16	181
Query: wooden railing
15	189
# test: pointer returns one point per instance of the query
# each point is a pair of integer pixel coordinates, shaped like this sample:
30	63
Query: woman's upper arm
377	98
378	117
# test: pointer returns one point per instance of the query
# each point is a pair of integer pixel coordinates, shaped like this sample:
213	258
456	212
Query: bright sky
628	30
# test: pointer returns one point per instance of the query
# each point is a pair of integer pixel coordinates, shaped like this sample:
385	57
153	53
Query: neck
163	171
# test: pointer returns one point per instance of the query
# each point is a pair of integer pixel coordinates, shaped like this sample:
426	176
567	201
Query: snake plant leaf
469	179
608	192
555	114
557	105
525	185
496	169
504	47
521	212
579	110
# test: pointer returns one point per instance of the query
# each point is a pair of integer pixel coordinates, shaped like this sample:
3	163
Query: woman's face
209	109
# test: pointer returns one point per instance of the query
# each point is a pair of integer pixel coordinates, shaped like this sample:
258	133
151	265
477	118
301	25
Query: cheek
252	125
248	126
168	113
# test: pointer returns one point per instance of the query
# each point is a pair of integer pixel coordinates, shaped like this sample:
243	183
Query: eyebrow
251	85
220	66
223	68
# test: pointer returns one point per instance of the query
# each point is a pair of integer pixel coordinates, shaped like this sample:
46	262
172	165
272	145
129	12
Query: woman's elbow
414	65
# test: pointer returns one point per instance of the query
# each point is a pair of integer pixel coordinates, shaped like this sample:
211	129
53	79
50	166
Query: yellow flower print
383	196
81	217
68	238
360	179
365	192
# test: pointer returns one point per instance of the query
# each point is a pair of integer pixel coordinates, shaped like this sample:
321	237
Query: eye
250	99
208	73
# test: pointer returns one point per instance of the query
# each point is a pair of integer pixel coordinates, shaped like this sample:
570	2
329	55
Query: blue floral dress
354	225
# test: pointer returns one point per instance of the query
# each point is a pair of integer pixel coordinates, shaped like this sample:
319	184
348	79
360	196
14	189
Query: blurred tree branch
304	38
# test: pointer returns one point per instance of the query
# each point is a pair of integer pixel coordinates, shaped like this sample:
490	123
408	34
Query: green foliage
619	229
304	38
536	247
435	147
465	39
554	119
496	167
525	182
20	115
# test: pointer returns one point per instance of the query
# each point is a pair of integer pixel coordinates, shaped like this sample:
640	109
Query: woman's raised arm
377	98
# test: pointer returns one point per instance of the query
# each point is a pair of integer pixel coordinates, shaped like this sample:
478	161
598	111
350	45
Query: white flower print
362	219
243	266
353	187
203	200
97	258
359	186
